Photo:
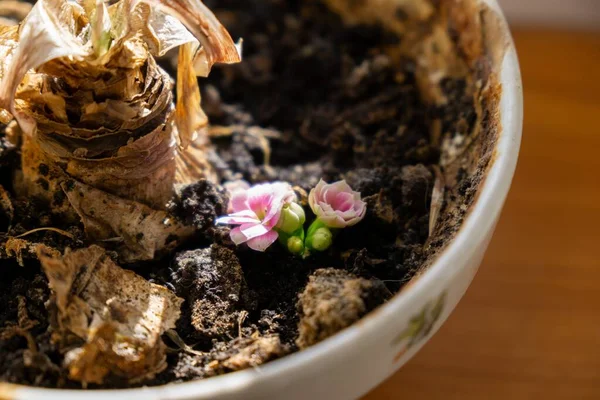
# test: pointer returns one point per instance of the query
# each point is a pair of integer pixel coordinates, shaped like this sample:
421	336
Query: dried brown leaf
261	350
189	117
118	314
43	36
192	164
217	45
437	199
20	249
162	32
9	37
144	231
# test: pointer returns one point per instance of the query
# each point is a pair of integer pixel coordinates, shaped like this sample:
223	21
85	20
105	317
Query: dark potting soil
330	104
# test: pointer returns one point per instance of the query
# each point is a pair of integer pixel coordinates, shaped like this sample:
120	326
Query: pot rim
480	220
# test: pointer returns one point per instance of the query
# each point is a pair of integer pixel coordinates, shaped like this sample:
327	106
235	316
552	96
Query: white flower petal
263	242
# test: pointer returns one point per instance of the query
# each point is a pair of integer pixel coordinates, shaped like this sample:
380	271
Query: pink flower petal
343	201
237	236
335	188
361	208
320	186
257	210
359	215
244	213
346	215
274	212
282	194
232	220
272	221
328	195
326	208
238	218
259	199
353	221
262	243
239	200
253	231
336	204
317	194
333	221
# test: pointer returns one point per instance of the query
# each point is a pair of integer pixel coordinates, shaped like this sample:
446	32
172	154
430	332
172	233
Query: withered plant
103	139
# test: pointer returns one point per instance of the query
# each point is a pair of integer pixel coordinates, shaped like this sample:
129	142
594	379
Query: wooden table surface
529	326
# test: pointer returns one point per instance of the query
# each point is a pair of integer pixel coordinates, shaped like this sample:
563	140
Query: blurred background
529	326
567	14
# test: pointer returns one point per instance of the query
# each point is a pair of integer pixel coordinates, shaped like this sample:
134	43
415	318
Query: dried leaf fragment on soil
234	355
21	250
118	315
141	229
257	351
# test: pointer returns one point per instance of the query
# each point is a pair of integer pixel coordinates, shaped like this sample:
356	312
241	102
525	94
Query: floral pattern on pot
420	326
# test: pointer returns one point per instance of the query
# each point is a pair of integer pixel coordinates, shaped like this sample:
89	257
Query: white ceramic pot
356	360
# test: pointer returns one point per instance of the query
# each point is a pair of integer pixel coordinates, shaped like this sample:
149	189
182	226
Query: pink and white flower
336	205
233	188
257	211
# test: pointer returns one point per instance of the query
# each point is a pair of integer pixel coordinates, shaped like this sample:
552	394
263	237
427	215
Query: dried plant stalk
97	111
437	199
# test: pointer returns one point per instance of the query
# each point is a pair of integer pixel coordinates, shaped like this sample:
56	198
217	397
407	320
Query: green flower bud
321	239
295	245
292	218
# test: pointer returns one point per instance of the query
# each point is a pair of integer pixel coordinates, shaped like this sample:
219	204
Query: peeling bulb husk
97	111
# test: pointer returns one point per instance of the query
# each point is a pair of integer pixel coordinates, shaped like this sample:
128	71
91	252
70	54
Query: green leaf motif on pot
420	325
